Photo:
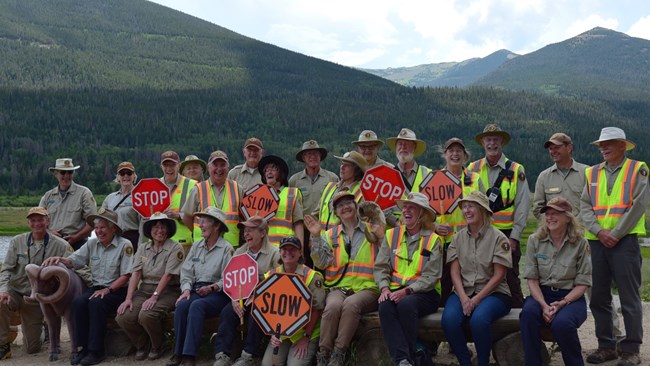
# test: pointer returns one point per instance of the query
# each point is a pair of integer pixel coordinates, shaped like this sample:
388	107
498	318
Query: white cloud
641	28
589	22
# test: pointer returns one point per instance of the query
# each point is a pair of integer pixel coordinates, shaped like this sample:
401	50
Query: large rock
509	351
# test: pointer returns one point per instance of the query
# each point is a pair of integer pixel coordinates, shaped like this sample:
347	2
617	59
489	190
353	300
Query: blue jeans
564	328
487	311
228	326
189	318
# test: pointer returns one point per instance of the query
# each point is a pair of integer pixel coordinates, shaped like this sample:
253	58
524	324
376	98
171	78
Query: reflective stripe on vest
179	195
456	219
230	206
504	219
359	273
281	225
422	172
326	214
406	271
609	208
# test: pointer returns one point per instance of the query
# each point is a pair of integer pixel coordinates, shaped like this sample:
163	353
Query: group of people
404	262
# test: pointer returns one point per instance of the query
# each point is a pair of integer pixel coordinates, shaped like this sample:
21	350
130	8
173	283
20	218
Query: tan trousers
145	326
31	322
341	317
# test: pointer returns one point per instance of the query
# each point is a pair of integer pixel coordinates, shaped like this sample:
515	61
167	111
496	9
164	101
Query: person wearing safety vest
612	207
369	145
455	155
179	188
217	191
346	255
351	171
479	255
407	147
288	219
407	271
299	349
509	202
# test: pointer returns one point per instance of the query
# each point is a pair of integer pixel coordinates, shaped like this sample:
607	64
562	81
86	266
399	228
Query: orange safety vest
281	225
230	206
326	214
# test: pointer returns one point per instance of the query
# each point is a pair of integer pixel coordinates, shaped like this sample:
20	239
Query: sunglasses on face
64	172
126	172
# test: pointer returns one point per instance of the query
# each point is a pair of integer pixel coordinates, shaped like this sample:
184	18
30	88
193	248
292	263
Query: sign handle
442	214
241	319
150	210
277	334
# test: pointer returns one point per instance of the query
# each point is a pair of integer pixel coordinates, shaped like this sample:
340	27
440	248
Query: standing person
69	205
179	188
369	145
558	270
33	247
346	256
193	168
288	219
257	245
479	255
407	272
216	191
120	202
351	171
201	286
447	225
153	288
248	174
612	208
507	190
110	258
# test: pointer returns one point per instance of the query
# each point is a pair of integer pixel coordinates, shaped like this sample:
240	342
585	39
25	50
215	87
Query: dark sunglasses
64	172
126	172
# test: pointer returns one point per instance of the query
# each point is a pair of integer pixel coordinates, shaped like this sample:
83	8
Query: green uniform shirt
561	268
155	265
68	214
267	257
553	183
106	264
203	265
312	190
243	177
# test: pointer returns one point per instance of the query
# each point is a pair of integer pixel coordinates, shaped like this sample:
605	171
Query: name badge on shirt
95	258
554	190
195	259
541	256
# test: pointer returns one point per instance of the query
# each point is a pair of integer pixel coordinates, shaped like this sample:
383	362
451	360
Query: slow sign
240	277
150	195
282	304
443	189
261	200
383	185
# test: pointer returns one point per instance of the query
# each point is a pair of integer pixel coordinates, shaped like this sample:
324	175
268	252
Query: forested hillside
106	81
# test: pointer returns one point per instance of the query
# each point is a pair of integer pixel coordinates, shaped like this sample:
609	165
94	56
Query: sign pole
278	328
241	319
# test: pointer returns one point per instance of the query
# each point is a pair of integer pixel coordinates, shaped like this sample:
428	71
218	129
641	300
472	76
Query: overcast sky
394	33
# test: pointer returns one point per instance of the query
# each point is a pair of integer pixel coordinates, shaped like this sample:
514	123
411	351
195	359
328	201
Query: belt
552	288
197	285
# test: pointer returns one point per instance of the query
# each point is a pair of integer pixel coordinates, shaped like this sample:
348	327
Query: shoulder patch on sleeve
128	250
180	255
643	172
522	176
505	246
318	283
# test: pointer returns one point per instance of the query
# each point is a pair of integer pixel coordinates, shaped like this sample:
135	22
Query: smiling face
346	172
126	178
556	221
369	150
38	225
170	170
405	151
218	170
104	231
272	174
193	171
472	213
159	232
311	158
290	255
252	154
493	146
345	209
208	226
560	154
411	214
613	151
455	156
254	237
65	178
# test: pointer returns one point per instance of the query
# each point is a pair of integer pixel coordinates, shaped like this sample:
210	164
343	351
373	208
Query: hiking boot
5	351
175	360
337	358
322	357
404	362
602	355
246	359
156	353
629	359
222	359
76	357
93	358
141	354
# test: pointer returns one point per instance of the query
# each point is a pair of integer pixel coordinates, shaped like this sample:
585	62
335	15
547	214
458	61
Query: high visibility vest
504	219
326	214
281	225
456	219
230	206
610	207
405	271
179	195
307	279
349	274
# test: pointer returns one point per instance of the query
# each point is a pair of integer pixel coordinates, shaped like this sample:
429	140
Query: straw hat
492	130
159	216
409	135
614	133
354	158
64	164
479	198
193	159
368	137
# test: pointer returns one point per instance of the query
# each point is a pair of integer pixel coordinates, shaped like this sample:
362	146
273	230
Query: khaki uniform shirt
323	255
106	264
127	217
243	177
203	265
68	214
561	268
478	256
20	253
430	274
553	183
312	190
411	174
193	202
267	257
154	265
379	161
640	200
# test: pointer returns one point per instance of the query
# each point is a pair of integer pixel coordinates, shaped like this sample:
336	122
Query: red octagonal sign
150	195
443	189
282	304
240	277
383	185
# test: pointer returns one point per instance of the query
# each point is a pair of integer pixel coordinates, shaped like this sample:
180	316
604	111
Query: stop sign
443	189
282	304
150	195
383	185
240	277
260	200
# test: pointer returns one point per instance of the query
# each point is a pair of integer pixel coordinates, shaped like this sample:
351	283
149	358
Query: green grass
13	221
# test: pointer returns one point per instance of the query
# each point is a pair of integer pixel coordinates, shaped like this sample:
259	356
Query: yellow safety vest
456	219
326	214
406	271
230	206
610	207
504	219
349	274
281	225
179	195
419	177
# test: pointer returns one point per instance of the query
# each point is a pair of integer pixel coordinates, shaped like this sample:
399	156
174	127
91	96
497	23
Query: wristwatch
156	294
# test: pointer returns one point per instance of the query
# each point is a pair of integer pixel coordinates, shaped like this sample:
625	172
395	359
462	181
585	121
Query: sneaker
246	359
222	359
76	357
156	353
404	362
141	354
602	355
322	357
175	360
629	359
337	358
5	351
